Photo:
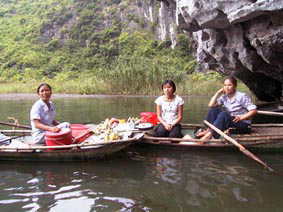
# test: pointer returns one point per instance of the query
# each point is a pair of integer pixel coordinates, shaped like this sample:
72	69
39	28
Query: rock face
243	37
161	16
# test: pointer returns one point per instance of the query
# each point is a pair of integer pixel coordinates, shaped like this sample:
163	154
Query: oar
269	113
241	147
15	125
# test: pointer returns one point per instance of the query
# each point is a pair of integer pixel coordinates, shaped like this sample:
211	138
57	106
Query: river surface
139	178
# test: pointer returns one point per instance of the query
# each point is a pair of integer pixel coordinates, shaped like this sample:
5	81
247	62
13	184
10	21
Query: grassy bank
194	84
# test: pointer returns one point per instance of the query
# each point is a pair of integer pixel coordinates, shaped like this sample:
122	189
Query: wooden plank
15	125
16	131
269	113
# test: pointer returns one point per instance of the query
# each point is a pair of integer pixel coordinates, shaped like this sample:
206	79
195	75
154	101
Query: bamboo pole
241	147
15	125
191	125
177	140
257	136
267	125
16	131
270	113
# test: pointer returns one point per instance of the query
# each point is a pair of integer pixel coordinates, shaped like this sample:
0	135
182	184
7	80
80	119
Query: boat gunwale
219	143
213	140
66	154
252	139
69	148
186	125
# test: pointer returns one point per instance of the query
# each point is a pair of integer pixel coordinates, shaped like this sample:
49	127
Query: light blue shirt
239	104
46	116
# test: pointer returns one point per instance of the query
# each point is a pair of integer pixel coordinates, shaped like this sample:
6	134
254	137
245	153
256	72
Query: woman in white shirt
169	109
42	115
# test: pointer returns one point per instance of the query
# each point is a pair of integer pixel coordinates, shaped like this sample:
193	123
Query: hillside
91	46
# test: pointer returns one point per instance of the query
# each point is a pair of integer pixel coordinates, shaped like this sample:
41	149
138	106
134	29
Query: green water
139	178
96	109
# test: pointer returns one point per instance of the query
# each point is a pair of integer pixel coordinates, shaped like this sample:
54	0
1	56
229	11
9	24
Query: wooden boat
263	137
73	152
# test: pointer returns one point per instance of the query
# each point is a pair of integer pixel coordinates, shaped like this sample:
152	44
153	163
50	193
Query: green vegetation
195	84
85	47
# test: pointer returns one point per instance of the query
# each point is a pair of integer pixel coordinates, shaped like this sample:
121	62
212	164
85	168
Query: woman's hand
42	126
220	91
245	116
54	129
238	118
168	127
213	100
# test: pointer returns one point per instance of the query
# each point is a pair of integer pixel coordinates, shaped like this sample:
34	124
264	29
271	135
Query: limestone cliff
156	17
160	18
243	37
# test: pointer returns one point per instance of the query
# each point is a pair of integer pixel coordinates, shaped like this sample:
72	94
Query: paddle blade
251	155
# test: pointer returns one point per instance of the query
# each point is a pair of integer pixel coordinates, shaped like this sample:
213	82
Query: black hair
43	84
171	83
232	80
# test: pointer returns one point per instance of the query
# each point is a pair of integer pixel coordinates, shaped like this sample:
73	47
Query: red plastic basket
64	137
150	117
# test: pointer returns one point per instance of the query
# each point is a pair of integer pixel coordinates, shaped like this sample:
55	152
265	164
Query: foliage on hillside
86	42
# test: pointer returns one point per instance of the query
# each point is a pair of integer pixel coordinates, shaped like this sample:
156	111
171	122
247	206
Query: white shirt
169	109
46	116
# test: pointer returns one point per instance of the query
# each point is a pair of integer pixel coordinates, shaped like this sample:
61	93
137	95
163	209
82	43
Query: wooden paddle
269	113
15	125
241	147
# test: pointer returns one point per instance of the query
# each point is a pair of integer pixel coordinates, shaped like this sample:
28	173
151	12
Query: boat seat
247	130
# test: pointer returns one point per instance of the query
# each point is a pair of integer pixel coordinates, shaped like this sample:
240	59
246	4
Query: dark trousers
175	132
223	121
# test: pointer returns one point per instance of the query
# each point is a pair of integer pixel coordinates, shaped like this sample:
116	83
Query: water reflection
58	186
139	180
200	180
167	169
